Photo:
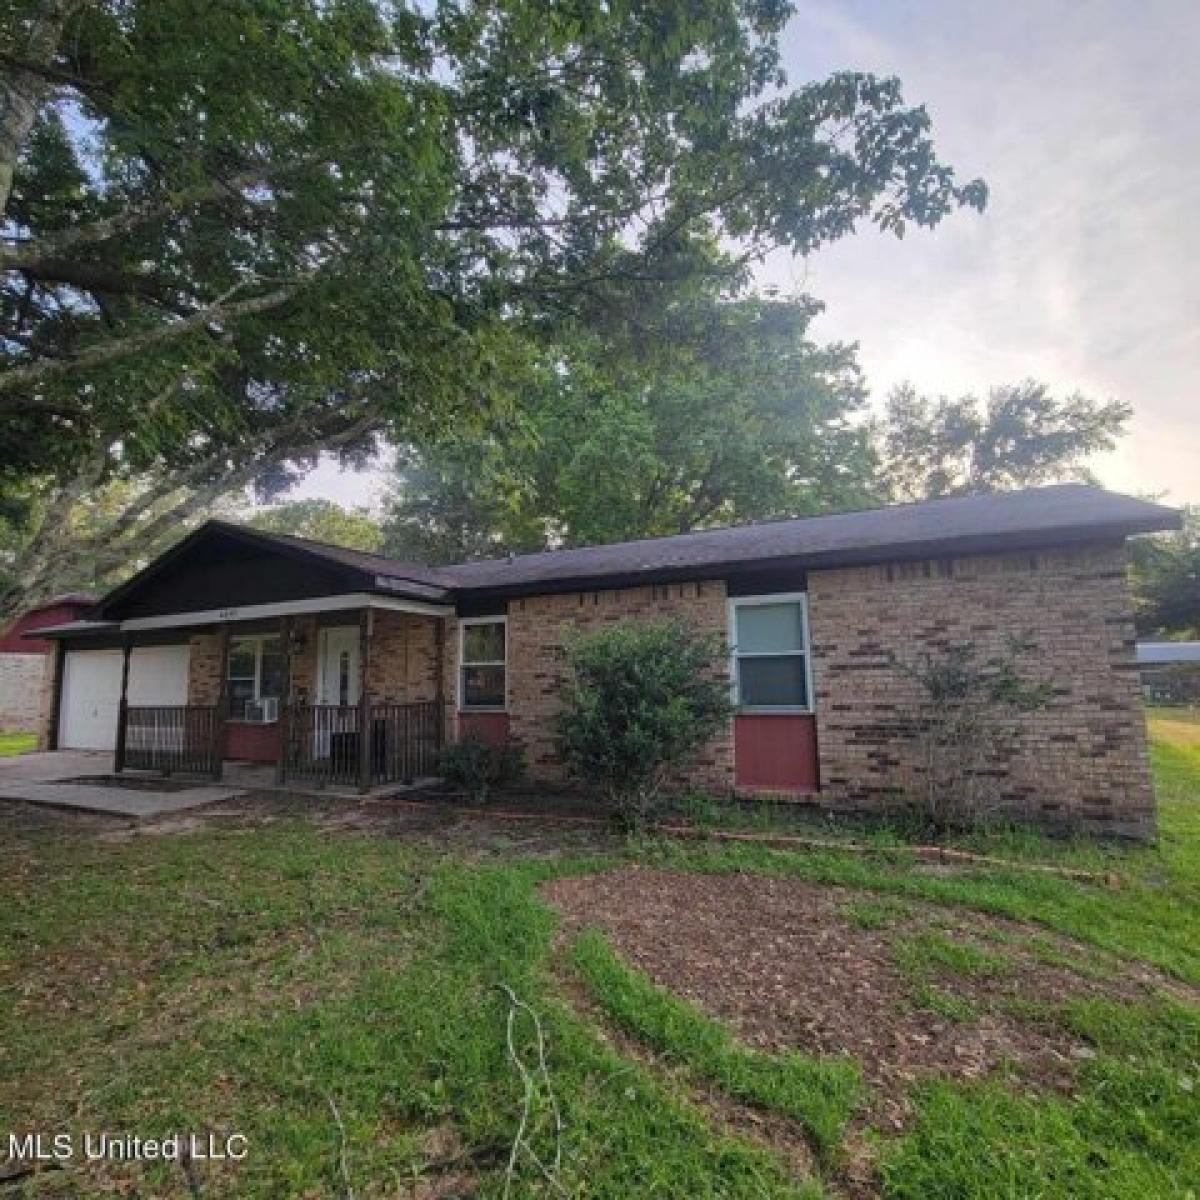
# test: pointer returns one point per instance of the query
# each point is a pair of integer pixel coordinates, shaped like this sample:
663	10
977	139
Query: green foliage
1019	436
478	766
238	978
400	187
220	269
821	1094
17	743
1165	573
641	700
322	521
1131	1132
944	1004
964	720
874	914
693	412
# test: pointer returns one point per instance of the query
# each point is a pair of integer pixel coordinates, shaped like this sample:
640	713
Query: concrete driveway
52	778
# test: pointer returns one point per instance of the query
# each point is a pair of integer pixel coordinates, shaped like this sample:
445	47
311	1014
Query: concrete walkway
49	779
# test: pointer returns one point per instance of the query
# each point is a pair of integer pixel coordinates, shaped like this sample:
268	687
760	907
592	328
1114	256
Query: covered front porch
322	693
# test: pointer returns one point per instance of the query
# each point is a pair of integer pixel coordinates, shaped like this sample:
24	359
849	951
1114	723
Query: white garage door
91	691
158	675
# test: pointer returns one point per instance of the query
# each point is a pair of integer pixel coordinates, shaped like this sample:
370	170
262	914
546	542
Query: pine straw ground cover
326	982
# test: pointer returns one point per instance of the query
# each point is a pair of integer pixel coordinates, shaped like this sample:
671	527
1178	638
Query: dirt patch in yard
827	970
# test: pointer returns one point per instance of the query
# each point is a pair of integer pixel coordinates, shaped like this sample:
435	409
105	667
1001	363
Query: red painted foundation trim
776	752
490	726
251	742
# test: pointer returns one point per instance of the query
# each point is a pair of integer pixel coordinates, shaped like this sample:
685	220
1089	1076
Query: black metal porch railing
322	744
171	739
406	740
319	743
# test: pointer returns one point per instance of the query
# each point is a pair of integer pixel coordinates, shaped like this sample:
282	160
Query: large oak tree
697	414
235	234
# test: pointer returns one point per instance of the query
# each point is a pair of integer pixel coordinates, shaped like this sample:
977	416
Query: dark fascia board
72	629
866	556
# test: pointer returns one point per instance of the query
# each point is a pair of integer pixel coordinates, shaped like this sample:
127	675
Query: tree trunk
22	89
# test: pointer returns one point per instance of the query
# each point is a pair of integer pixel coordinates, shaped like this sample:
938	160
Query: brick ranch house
340	666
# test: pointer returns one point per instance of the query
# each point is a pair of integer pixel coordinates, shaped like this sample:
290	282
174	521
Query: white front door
338	678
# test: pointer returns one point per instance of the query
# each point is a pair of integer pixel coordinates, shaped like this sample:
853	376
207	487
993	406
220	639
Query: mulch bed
780	962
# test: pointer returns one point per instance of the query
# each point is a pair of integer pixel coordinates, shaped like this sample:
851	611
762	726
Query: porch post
284	725
440	680
56	690
123	707
217	745
365	749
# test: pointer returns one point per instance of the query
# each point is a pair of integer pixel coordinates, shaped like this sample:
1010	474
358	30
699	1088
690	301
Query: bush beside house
640	702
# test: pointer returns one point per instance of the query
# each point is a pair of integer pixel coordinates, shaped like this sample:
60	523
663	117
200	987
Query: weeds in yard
238	980
944	1004
1151	918
1131	1132
875	914
931	951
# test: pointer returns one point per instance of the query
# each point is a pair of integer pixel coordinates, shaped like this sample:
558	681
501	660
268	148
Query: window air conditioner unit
263	711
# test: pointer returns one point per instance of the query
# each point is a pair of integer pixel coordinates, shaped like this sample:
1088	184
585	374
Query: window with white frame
255	677
770	653
482	662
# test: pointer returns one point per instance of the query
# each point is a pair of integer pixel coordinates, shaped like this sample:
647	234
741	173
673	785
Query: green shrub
968	715
478	767
641	701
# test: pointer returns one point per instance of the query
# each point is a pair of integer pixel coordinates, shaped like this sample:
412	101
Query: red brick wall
405	653
1081	762
538	627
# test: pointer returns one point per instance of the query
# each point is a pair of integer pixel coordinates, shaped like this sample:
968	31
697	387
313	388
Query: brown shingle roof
1047	516
1039	516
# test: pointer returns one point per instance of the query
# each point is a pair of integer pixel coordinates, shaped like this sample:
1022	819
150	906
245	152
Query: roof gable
223	565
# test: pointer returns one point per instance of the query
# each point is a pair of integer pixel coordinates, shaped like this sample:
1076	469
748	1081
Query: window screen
483	665
770	655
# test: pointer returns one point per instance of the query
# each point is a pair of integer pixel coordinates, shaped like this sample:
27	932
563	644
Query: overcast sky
1084	271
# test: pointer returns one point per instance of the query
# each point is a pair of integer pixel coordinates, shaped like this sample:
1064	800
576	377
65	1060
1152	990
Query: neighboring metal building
1170	671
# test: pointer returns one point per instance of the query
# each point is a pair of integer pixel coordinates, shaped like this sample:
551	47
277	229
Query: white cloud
1085	269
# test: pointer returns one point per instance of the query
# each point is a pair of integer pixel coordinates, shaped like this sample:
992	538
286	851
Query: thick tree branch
100	278
22	89
50	246
222	309
58	555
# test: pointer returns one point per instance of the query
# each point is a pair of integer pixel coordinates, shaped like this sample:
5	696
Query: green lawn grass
255	979
820	1094
17	743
